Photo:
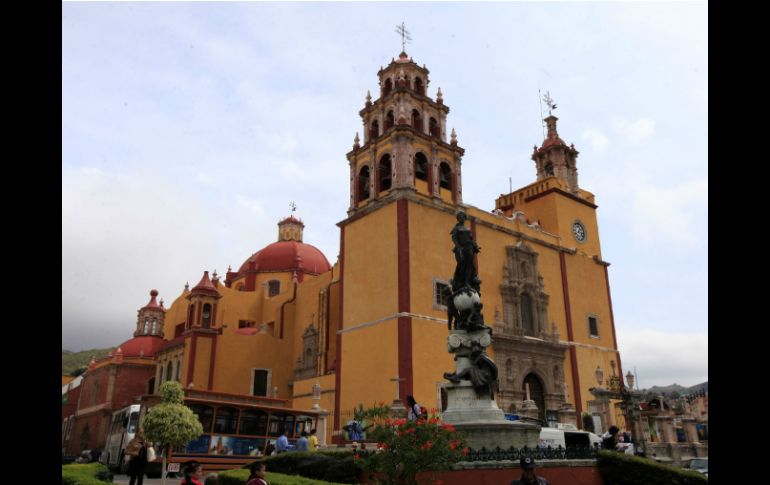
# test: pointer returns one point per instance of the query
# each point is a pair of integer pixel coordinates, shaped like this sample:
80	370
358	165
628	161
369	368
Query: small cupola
150	318
290	229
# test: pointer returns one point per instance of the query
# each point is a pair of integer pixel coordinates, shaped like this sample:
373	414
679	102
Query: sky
188	128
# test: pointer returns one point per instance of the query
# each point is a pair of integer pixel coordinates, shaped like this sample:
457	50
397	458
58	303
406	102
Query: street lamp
630	380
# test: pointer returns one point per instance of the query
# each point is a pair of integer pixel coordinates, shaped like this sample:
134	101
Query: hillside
675	390
70	361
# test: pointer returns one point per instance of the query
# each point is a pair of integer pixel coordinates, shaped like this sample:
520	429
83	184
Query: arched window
445	176
207	315
527	320
190	315
374	132
363	184
388	87
151	385
273	287
226	420
160	374
154	330
205	415
169	370
548	169
433	127
146	326
178	370
535	393
418	88
416	120
421	168
384	173
389	120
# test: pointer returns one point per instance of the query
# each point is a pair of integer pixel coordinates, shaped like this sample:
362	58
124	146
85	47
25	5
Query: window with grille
273	287
441	293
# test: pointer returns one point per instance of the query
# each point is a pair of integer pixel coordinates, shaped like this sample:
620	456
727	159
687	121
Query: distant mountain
669	391
71	361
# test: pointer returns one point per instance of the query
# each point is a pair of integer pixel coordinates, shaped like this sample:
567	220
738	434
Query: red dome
144	346
288	256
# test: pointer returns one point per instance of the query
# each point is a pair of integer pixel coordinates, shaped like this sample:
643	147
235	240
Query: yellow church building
288	319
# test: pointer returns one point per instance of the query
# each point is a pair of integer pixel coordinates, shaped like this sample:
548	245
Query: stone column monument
471	406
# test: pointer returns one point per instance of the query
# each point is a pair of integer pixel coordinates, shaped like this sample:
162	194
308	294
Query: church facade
374	323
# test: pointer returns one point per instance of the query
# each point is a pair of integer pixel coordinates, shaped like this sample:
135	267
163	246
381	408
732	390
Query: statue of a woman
465	248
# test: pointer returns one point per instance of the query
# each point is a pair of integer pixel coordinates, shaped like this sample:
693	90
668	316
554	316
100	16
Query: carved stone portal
539	360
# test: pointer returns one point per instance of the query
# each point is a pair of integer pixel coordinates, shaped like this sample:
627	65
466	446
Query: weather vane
549	101
401	30
293	206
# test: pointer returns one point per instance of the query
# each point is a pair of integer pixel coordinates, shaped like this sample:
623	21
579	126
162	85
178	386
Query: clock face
579	232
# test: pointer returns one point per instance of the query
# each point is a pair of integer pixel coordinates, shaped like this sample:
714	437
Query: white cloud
596	138
633	131
252	205
664	358
670	213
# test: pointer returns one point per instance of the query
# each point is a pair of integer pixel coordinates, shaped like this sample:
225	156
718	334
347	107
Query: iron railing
515	454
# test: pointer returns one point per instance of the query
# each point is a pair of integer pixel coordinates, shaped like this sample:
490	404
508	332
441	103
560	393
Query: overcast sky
187	128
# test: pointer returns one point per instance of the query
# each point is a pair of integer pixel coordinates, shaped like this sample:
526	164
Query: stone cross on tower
401	30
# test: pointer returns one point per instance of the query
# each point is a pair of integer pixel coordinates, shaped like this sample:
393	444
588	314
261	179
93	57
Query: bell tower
405	141
556	159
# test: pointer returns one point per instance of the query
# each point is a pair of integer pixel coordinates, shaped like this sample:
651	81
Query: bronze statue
465	248
482	374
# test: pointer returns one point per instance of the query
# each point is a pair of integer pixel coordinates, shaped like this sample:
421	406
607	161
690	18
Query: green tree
170	423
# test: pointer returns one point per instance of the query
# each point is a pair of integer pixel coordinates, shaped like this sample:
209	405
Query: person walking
528	476
413	409
302	442
282	443
610	438
192	473
137	465
257	476
312	441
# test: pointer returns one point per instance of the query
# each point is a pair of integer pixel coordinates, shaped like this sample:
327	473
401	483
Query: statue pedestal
483	422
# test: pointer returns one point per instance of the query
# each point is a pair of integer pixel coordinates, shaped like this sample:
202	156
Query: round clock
579	232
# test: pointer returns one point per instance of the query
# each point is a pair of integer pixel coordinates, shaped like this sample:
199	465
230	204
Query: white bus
123	428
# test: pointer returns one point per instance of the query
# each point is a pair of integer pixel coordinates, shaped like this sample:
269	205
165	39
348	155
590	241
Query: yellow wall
370	271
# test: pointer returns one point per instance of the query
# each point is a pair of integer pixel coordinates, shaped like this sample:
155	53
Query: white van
567	436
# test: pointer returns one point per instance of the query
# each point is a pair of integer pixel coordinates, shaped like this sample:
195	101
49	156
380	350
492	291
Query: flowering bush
405	448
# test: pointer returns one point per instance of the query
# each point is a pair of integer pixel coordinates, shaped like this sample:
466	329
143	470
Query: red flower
453	445
465	451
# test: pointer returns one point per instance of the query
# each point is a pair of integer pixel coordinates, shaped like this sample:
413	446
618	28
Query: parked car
567	437
700	465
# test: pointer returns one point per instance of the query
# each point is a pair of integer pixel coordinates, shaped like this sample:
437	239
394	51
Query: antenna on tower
293	207
540	100
401	30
